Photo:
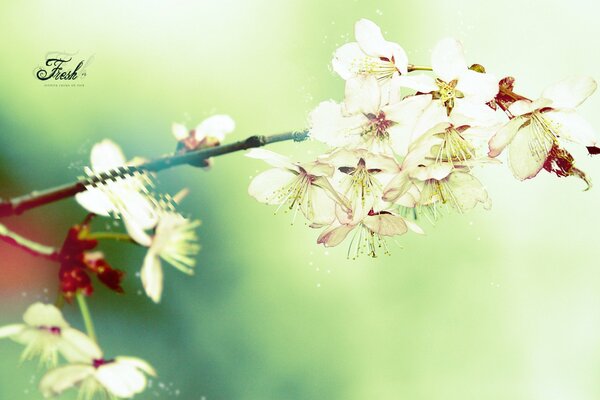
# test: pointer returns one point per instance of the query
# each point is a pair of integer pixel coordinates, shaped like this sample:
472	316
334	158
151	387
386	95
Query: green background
491	305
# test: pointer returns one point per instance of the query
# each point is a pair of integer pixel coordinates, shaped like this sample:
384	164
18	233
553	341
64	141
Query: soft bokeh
491	305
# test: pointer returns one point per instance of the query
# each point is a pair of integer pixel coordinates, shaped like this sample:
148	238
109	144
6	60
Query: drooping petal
570	125
528	151
571	92
346	59
334	235
10	330
504	136
269	186
320	207
152	276
106	155
270	157
77	347
60	379
386	224
467	191
397	187
216	127
448	59
362	95
40	314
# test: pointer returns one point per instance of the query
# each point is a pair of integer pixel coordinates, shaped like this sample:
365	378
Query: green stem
29	246
87	317
412	68
110	235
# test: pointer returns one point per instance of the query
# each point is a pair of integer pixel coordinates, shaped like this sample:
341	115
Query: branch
19	205
29	246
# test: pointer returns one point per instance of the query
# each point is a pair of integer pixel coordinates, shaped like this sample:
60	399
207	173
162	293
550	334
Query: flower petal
270	157
77	347
370	39
571	92
96	202
216	127
479	87
60	379
334	235
329	125
362	95
504	136
528	151
121	379
10	330
386	224
152	276
346	59
180	131
467	191
106	155
448	59
137	363
419	83
319	207
570	125
40	314
269	187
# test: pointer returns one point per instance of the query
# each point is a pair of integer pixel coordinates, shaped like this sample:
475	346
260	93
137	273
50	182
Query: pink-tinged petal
420	83
528	151
273	159
318	168
152	276
370	39
60	379
400	58
397	187
362	95
386	224
180	131
121	379
40	314
106	155
346	59
334	235
216	127
571	92
467	191
270	186
319	208
434	171
96	202
504	136
381	162
10	330
568	124
329	125
77	347
448	59
480	87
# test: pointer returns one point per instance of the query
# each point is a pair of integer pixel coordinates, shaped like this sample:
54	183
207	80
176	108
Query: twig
19	205
29	246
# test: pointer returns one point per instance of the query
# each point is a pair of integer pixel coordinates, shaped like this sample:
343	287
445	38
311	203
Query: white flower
127	198
462	92
537	125
369	232
175	242
45	333
371	55
303	187
121	377
209	132
363	120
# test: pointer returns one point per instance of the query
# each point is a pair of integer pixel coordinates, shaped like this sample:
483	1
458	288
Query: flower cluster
409	144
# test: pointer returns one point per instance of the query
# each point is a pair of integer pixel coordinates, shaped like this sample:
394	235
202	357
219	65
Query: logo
63	69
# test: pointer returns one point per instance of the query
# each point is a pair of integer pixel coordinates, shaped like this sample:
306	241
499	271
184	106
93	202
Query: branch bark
29	246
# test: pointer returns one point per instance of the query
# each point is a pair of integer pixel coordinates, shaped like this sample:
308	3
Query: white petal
474	113
334	235
521	107
420	83
10	330
179	131
527	152
320	207
216	127
362	95
434	171
137	363
270	157
467	191
330	126
346	59
405	114
121	379
571	92
269	186
480	87
370	39
400	58
504	136
106	155
386	224
448	59
40	314
76	346
569	125
60	379
96	202
152	276
397	187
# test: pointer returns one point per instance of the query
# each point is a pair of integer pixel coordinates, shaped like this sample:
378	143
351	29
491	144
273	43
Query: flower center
447	93
382	68
378	126
454	147
98	362
54	330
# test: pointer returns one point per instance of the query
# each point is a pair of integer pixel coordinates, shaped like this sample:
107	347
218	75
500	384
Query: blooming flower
45	333
370	55
120	377
364	121
127	198
173	241
303	187
532	135
208	133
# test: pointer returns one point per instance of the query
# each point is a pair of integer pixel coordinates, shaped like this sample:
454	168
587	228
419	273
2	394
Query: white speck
378	12
318	285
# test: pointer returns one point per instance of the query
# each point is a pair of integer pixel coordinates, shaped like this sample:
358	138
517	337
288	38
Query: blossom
298	186
45	333
174	241
365	121
370	55
208	133
532	135
369	232
462	92
127	198
119	377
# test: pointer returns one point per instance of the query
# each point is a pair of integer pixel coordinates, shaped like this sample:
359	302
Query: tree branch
19	205
29	246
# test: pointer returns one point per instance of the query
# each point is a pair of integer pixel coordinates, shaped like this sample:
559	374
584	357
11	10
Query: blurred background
502	304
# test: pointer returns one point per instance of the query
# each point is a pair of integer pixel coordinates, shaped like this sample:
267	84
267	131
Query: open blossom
175	242
461	92
126	198
532	136
365	121
116	378
208	133
370	55
304	187
45	334
369	232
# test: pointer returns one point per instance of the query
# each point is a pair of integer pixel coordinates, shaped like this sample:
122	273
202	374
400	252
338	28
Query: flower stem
412	68
123	237
87	317
19	205
29	246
